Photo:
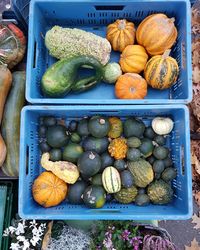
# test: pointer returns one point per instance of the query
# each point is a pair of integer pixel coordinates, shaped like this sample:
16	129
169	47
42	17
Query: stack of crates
94	16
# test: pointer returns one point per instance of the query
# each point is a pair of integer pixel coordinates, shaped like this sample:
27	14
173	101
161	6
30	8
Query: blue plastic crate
21	9
94	16
178	141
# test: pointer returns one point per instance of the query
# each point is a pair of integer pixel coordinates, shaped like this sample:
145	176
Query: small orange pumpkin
120	34
48	190
131	86
133	59
156	33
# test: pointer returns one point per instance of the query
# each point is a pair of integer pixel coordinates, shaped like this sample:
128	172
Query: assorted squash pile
144	51
101	159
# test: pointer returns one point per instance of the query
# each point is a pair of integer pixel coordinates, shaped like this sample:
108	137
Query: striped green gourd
111	180
142	172
126	195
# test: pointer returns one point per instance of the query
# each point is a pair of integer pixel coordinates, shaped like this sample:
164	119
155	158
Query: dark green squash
97	180
89	164
94	196
120	165
142	200
72	152
76	191
73	126
126	195
161	152
169	174
75	137
99	126
82	128
106	160
151	159
133	142
57	136
44	147
126	179
49	121
146	147
149	133
42	131
99	145
55	154
158	166
133	127
133	154
168	162
160	140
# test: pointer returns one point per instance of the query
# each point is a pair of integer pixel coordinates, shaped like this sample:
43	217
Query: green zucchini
11	123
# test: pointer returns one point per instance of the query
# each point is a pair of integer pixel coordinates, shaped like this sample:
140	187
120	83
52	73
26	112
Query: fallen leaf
196	220
47	236
194	245
196	75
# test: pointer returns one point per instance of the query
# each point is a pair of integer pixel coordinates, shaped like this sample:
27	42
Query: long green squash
11	123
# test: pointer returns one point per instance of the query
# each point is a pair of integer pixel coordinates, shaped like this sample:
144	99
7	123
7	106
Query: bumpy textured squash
111	180
160	192
161	72
48	190
126	195
116	127
131	86
64	170
133	59
142	172
118	148
120	34
156	33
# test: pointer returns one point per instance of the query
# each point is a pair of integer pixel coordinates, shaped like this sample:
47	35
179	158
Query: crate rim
60	101
86	216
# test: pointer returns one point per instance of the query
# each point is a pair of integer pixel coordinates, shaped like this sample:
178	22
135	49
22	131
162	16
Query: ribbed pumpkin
48	190
131	86
118	148
133	59
116	127
161	72
126	195
111	180
120	34
142	172
156	33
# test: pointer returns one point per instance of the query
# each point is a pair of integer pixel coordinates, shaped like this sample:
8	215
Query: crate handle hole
109	7
26	160
182	160
105	111
34	55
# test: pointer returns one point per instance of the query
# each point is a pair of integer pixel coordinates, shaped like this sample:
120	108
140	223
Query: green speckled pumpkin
160	192
142	172
94	197
126	195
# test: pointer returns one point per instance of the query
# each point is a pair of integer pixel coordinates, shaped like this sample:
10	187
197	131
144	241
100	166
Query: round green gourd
94	196
89	164
82	128
160	152
142	200
44	147
160	140
126	195
42	131
72	152
160	192
99	126
76	191
99	145
97	180
133	127
142	172
49	121
158	166
168	162
151	159
55	154
106	160
169	174
133	142
126	179
146	148
149	133
75	137
111	180
133	154
73	126
120	165
57	136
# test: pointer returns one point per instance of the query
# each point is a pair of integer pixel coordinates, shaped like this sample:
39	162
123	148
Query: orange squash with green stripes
161	72
156	33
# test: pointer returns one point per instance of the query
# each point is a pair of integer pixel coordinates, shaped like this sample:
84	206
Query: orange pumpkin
156	33
133	59
48	190
120	34
131	86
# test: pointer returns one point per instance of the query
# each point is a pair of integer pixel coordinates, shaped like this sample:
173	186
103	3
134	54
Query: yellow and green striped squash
161	71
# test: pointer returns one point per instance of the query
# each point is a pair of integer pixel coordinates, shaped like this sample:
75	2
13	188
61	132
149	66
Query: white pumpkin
162	125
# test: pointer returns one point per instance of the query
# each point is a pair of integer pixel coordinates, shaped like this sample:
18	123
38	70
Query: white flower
43	225
20	229
21	238
6	232
35	240
14	246
26	245
12	229
33	223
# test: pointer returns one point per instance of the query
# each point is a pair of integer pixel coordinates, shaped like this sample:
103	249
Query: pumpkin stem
172	20
166	53
102	121
122	24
